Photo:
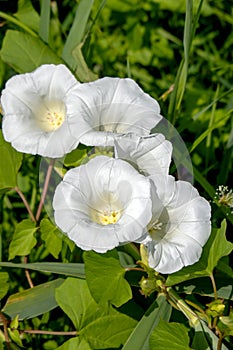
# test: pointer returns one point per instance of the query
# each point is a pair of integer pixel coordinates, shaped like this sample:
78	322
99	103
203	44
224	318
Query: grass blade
69	269
191	21
77	32
44	20
139	338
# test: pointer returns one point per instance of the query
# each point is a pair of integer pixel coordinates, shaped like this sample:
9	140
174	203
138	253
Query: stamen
107	217
51	117
155	226
224	196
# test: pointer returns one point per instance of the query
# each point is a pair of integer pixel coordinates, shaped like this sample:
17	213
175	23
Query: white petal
91	189
186	226
151	154
114	105
168	257
28	95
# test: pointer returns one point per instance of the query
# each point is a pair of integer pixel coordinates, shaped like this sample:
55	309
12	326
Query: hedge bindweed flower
36	109
102	204
177	235
150	154
112	106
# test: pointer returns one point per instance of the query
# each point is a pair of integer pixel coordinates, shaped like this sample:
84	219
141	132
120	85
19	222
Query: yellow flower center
107	218
51	117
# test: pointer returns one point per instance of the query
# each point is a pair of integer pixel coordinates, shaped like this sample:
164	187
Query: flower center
51	117
154	227
107	217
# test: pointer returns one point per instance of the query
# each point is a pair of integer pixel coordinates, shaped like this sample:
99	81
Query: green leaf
23	239
203	286
139	338
169	336
216	247
28	15
101	326
82	71
219	248
205	339
25	52
33	302
10	162
72	269
15	336
74	298
105	278
108	331
77	32
75	157
75	344
226	324
4	286
51	235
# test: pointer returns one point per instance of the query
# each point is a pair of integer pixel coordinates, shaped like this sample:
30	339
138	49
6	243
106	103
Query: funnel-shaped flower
111	106
177	235
36	109
150	154
102	204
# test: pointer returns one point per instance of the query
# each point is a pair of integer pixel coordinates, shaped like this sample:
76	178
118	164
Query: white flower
102	204
151	154
178	233
36	108
112	106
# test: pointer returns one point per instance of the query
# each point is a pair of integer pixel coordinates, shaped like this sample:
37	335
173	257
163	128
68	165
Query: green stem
17	22
214	286
196	306
45	189
181	305
134	269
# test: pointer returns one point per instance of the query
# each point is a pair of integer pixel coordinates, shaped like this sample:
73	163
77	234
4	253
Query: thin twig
7	339
219	342
25	260
20	193
37	331
45	189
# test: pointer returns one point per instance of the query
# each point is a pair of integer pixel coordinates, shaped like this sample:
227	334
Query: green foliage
23	239
139	338
32	302
180	53
25	52
27	15
75	344
10	163
169	336
101	326
75	269
3	284
77	32
51	235
105	278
